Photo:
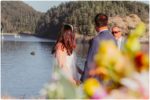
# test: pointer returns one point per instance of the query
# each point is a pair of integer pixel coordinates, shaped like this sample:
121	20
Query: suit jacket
104	35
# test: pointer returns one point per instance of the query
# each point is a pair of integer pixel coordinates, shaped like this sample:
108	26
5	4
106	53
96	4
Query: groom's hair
101	20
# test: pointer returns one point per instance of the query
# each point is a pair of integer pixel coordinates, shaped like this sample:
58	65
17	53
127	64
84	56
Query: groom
101	21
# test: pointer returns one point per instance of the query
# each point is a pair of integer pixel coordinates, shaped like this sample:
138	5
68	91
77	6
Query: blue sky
43	6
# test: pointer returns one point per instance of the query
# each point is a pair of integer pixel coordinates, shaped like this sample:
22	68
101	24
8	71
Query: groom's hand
79	70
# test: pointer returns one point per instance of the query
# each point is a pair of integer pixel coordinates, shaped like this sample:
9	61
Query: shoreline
79	38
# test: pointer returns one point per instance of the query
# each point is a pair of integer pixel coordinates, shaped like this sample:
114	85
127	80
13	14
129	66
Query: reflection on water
82	49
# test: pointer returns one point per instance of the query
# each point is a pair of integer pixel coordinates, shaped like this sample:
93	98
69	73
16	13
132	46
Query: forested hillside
81	14
16	16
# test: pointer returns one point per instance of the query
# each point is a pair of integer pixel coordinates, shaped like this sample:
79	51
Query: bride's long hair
67	38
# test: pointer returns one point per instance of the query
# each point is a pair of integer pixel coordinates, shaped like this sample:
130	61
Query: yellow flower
140	29
108	54
132	45
90	86
111	62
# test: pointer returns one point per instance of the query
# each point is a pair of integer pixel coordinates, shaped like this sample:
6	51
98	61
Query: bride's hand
78	82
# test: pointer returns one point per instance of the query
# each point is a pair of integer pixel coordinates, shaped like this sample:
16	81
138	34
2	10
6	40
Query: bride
65	55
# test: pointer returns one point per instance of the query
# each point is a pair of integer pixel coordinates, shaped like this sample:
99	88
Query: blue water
23	75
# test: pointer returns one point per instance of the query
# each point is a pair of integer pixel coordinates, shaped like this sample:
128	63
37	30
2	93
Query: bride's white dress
69	66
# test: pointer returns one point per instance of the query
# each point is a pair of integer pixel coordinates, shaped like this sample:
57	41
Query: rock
132	20
32	53
118	21
127	23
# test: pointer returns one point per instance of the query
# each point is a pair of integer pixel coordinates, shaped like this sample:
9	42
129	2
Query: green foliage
17	16
81	14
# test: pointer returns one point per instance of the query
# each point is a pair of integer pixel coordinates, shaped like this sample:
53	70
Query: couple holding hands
66	44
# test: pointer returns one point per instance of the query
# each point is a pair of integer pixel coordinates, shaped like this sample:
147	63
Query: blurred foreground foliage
123	74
